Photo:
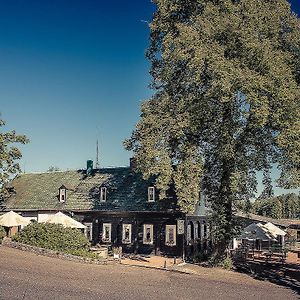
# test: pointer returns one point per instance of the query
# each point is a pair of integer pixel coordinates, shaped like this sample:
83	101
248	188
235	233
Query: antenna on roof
97	156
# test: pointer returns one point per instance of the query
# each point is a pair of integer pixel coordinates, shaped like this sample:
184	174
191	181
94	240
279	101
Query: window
148	234
196	231
103	192
171	235
189	233
88	231
106	232
151	194
204	230
62	195
126	234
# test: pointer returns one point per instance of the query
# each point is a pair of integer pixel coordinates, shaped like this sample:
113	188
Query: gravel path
24	275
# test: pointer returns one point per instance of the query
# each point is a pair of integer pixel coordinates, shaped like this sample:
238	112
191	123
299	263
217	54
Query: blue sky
73	72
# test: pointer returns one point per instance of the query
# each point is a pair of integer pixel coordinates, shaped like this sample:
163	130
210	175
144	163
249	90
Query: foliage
227	263
200	257
2	233
281	207
268	191
226	75
54	237
9	155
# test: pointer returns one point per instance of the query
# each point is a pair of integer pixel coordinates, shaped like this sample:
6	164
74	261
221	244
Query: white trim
124	227
151	194
168	241
145	232
103	194
104	238
62	195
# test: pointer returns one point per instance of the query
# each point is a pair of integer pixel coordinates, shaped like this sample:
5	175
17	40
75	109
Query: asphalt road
25	275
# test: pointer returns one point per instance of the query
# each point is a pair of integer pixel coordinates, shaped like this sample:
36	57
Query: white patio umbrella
66	221
12	219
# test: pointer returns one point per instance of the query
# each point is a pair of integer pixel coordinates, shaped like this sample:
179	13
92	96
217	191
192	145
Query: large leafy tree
226	75
9	156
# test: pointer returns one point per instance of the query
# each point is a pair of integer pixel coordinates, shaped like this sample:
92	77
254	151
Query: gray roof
279	222
126	191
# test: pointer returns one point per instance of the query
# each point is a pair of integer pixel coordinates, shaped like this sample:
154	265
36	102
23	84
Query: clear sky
73	72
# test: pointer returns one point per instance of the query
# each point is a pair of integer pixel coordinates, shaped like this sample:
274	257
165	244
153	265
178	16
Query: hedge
55	237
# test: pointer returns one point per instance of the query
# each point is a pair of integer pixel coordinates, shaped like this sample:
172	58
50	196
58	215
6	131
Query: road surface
25	275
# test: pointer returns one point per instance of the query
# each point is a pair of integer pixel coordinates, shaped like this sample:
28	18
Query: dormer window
151	194
62	194
103	193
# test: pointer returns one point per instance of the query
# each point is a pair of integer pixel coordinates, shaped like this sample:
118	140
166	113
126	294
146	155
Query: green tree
9	155
285	206
267	184
226	75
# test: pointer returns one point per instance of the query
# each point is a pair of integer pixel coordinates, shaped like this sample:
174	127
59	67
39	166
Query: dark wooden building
117	206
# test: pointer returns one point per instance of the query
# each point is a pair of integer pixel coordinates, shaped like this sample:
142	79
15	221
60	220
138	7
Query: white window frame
151	191
145	240
168	242
104	239
90	236
124	240
103	194
62	194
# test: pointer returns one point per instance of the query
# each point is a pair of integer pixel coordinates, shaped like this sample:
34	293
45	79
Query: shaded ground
24	275
287	275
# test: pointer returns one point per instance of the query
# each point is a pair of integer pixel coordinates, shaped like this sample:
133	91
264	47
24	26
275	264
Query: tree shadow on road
286	275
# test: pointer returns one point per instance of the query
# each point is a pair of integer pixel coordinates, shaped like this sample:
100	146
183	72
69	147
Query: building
290	226
117	206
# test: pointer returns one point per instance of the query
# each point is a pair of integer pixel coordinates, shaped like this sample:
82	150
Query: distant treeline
285	206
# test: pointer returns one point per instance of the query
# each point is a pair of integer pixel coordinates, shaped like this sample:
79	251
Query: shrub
200	257
227	263
54	237
2	234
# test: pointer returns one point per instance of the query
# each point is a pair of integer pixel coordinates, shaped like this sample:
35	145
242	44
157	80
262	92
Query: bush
200	257
55	237
227	263
2	234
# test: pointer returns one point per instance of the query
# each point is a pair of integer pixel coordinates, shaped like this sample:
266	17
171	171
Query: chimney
132	164
89	167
